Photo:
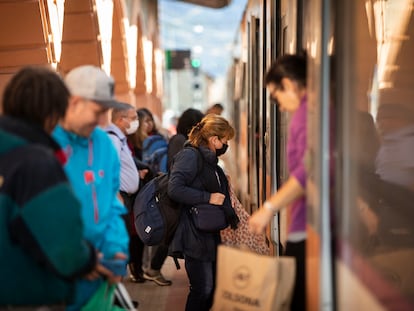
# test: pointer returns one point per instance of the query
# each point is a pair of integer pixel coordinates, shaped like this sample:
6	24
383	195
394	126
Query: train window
376	175
254	106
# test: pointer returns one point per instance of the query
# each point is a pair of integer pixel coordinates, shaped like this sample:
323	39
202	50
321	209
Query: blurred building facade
120	36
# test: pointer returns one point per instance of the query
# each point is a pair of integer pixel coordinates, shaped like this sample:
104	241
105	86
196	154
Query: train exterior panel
360	142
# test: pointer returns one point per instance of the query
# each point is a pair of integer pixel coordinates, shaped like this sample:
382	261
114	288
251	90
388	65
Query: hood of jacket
32	134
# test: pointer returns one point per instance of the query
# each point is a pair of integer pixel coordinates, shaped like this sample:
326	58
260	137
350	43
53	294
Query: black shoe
137	278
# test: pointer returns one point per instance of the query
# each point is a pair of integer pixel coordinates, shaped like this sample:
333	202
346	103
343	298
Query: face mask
133	126
222	150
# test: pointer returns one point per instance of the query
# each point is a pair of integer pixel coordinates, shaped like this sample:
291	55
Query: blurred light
131	42
56	15
198	28
104	11
198	49
147	45
159	60
195	63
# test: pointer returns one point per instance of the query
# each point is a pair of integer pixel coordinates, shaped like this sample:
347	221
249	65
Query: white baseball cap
92	83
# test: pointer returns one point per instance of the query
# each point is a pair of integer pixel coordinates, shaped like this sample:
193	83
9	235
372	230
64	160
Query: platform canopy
216	4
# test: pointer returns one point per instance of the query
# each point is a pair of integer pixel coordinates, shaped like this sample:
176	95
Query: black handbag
208	217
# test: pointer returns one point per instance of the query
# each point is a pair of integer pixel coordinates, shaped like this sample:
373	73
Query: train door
273	126
283	22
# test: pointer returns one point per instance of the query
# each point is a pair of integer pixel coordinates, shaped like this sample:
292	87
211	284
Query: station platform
152	297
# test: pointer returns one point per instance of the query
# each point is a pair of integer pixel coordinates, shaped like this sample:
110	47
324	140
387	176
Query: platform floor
152	297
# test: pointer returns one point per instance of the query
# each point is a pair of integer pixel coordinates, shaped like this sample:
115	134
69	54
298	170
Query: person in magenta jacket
286	83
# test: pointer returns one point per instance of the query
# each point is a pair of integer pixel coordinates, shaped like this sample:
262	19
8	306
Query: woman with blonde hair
195	178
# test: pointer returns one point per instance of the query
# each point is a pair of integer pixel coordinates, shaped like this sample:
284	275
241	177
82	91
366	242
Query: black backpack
156	214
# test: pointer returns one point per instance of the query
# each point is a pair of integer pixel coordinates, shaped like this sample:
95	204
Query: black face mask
222	150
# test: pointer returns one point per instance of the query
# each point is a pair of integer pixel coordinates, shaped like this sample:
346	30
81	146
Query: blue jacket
93	168
42	249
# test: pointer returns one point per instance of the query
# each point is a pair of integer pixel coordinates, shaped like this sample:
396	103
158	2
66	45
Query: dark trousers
136	250
159	257
202	276
298	250
136	246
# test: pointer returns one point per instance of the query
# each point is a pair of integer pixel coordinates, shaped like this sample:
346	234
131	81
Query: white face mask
133	126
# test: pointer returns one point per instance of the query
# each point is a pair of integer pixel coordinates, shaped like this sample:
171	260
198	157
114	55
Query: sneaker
157	277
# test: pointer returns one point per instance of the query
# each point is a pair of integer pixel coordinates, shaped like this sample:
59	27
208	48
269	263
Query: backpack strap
110	132
177	264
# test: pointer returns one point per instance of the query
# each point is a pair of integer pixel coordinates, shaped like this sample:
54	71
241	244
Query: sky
180	26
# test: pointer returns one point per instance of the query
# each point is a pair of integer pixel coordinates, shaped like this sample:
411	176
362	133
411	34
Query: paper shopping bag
247	281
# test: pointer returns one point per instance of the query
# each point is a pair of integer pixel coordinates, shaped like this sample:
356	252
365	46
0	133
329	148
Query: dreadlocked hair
36	95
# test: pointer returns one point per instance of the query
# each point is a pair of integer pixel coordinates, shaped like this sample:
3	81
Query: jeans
202	276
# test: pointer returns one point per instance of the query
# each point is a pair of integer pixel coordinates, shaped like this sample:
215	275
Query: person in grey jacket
190	184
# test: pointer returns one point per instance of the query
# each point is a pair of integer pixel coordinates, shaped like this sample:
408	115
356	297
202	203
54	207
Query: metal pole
326	284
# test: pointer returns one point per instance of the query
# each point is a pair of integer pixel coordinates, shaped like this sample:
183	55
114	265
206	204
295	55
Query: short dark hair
289	66
187	120
213	108
36	95
218	106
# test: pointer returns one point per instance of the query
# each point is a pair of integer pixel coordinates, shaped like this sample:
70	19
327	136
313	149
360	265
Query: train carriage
360	121
360	187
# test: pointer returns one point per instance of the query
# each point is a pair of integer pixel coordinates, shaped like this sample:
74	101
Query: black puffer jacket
189	184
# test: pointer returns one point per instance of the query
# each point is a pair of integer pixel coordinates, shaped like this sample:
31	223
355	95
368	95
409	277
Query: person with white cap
93	168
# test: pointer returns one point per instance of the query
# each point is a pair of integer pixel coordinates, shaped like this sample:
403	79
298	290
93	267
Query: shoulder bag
208	217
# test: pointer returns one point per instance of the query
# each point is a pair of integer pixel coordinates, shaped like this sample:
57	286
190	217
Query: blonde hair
210	125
